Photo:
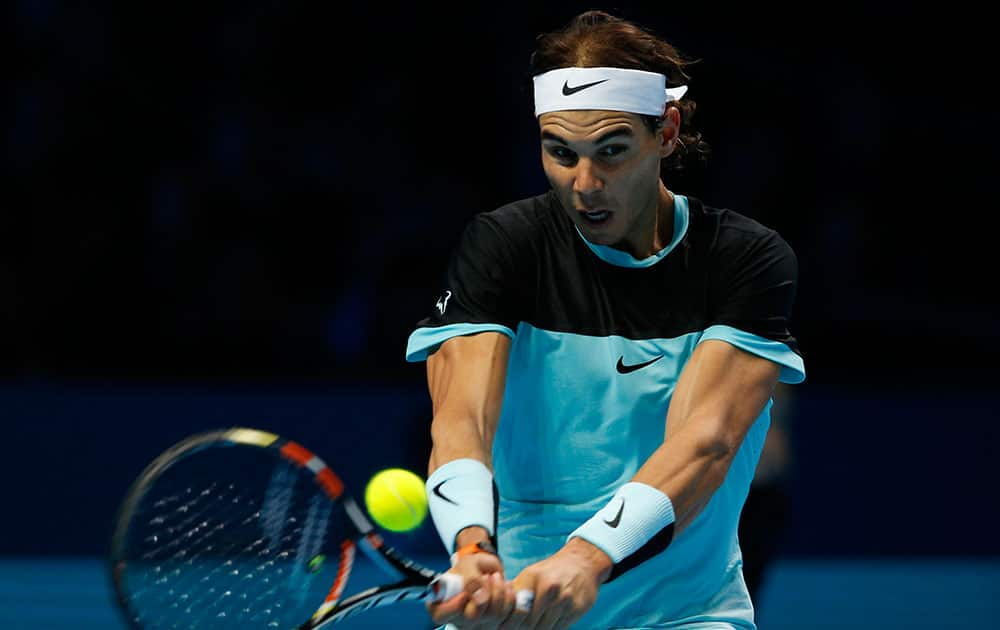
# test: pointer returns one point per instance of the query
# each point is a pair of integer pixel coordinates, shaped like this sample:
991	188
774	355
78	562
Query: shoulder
524	217
518	225
727	235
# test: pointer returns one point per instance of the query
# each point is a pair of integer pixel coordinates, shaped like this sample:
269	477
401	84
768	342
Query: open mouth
595	217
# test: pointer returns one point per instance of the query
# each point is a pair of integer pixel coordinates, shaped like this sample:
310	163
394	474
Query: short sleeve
479	294
751	299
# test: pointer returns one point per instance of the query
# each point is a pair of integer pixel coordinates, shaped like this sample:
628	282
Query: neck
663	230
659	230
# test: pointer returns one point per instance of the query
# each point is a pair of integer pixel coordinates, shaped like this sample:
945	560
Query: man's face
605	168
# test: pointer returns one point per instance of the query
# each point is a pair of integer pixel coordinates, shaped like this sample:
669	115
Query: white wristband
635	514
460	495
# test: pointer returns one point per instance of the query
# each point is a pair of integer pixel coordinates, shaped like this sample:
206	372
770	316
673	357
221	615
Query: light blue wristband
635	514
460	495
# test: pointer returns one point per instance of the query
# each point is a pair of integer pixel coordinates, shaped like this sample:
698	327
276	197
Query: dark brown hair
598	39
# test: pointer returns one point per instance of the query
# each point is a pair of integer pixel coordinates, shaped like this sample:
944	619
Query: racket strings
225	585
197	577
239	553
187	516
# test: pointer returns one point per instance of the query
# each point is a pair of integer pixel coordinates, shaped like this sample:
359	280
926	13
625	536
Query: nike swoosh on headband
570	91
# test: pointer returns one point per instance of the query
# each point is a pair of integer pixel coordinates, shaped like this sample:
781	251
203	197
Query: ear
669	130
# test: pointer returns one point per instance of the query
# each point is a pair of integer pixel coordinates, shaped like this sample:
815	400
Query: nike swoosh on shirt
570	91
437	491
613	523
625	369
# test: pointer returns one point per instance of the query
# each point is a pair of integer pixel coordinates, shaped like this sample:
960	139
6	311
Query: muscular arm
719	395
466	377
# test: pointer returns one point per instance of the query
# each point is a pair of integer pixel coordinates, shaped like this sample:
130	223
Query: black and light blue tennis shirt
599	340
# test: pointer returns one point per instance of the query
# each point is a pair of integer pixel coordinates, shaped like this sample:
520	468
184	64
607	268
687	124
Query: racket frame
417	582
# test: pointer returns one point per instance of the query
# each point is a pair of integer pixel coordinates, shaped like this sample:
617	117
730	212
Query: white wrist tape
460	495
635	514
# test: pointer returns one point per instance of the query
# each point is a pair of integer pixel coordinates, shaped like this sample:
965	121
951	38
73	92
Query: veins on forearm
689	467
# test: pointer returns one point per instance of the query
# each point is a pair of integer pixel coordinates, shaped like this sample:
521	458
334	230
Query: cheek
558	177
644	173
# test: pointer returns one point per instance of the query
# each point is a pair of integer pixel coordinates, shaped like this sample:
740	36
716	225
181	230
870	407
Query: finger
509	601
498	607
478	602
545	598
448	610
470	612
520	588
474	584
487	563
552	616
484	597
569	618
476	596
446	586
516	619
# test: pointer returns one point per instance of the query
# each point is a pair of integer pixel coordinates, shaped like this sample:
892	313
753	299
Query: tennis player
601	361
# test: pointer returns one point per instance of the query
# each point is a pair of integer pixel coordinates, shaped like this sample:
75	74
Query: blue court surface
53	593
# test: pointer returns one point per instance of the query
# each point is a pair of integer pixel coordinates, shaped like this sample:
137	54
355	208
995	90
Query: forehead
587	124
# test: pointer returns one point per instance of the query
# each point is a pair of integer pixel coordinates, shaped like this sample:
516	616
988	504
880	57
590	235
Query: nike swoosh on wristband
437	491
613	523
570	91
625	369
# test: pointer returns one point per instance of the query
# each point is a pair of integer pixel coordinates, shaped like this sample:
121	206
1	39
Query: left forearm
719	395
689	468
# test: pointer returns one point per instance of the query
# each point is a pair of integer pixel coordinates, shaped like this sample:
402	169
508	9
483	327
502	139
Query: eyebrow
548	135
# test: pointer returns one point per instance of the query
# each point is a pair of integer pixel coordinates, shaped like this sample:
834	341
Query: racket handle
446	586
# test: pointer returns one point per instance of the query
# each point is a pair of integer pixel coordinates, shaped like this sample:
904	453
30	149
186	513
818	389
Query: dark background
234	213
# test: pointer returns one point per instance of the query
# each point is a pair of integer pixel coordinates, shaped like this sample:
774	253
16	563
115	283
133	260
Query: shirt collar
620	258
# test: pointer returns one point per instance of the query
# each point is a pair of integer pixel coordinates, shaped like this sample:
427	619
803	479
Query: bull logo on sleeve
442	302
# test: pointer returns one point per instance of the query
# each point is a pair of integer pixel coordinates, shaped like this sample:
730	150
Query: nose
586	180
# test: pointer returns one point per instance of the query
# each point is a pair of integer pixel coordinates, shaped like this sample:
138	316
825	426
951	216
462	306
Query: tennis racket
241	528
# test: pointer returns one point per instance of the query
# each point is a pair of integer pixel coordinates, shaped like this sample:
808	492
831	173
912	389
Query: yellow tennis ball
396	499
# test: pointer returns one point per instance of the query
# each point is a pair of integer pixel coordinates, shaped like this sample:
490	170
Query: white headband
615	89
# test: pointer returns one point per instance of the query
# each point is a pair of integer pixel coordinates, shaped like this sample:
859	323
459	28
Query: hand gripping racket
240	528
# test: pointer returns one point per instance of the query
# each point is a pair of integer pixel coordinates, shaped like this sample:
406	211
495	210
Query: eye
613	150
561	153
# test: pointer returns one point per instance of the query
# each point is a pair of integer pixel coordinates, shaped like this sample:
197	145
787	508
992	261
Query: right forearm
466	381
454	437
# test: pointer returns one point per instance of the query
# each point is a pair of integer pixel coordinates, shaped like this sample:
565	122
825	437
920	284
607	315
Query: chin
599	237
